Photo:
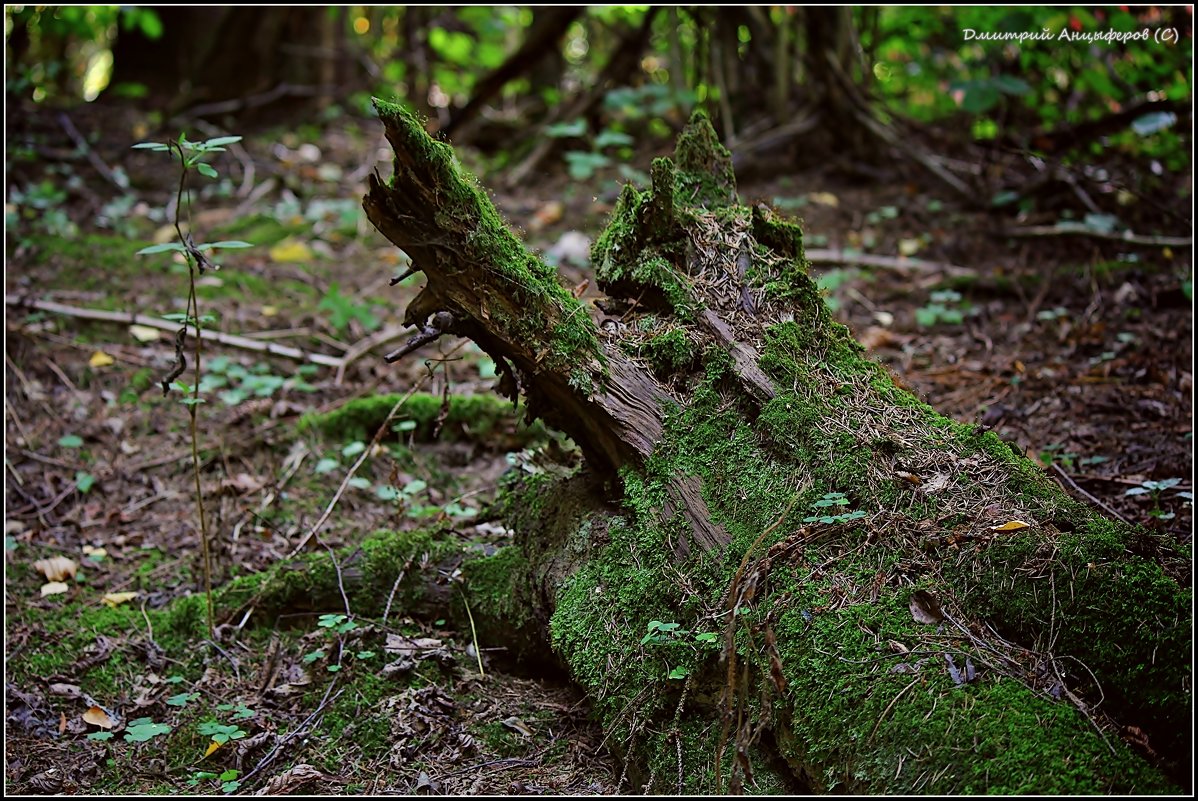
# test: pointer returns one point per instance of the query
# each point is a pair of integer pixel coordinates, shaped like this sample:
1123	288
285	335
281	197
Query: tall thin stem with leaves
191	157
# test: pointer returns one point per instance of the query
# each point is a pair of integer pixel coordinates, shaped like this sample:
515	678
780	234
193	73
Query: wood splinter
440	324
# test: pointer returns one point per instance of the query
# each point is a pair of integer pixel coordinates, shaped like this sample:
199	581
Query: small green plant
1055	453
1157	489
341	624
583	164
228	779
221	733
829	501
944	306
182	699
143	730
193	157
342	310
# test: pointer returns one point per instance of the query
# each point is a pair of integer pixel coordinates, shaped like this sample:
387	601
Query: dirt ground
1077	350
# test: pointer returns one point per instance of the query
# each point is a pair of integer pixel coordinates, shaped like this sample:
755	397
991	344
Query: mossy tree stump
777	571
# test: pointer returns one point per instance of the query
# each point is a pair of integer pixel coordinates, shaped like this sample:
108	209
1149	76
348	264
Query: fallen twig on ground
896	263
1117	236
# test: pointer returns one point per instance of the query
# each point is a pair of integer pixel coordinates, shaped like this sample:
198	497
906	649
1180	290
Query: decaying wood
813	608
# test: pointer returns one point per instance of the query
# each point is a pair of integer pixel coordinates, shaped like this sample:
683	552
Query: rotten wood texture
452	232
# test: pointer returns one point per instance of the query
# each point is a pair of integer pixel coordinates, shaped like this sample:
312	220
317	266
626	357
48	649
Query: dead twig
132	318
1073	485
1116	236
93	159
901	264
378	435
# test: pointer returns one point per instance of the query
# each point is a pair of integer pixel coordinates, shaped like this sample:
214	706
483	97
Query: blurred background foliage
588	84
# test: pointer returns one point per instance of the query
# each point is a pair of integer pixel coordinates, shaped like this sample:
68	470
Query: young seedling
192	158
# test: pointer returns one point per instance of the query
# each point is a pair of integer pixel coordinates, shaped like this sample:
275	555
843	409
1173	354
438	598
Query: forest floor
1079	351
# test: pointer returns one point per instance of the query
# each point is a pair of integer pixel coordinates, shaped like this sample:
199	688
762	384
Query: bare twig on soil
378	435
901	264
1116	236
93	159
1073	485
132	318
299	731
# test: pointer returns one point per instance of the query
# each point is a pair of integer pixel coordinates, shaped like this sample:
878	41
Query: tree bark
227	54
549	26
778	571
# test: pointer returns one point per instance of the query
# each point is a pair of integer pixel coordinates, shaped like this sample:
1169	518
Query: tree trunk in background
210	55
548	27
779	572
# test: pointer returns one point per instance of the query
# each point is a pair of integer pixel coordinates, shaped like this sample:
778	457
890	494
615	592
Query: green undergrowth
485	419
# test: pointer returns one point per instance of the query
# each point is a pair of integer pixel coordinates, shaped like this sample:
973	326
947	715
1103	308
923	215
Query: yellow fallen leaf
212	746
909	247
270	311
143	333
290	250
97	717
1011	525
100	359
118	598
56	568
54	588
824	199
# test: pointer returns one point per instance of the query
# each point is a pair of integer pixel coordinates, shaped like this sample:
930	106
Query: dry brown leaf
98	717
515	724
876	337
56	568
925	608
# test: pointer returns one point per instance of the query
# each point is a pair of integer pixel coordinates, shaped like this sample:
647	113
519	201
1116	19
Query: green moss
485	419
669	352
704	176
532	283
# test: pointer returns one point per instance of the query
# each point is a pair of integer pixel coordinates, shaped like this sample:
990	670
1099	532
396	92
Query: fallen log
777	571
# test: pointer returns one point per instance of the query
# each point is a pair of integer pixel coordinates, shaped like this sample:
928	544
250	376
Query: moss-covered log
780	571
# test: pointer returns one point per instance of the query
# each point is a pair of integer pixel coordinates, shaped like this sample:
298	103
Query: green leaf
353	449
404	425
679	672
415	486
181	699
330	621
234	243
158	146
333	668
607	138
326	464
364	654
385	492
143	730
163	248
309	658
84	481
71	441
1149	124
564	130
207	170
100	735
357	482
220	141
